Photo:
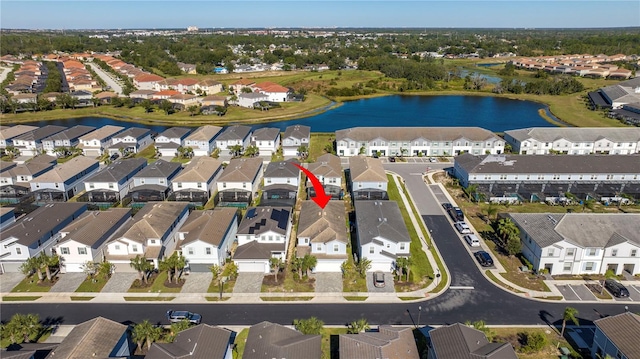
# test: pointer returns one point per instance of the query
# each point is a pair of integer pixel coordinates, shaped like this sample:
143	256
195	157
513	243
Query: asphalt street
471	296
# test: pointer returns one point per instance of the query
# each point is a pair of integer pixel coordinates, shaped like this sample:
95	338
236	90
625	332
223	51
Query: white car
472	240
433	160
463	227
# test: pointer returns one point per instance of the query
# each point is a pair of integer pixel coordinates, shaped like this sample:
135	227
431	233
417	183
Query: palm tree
364	264
174	265
470	191
32	265
308	262
507	229
177	327
491	210
141	265
145	332
358	326
346	267
147	105
401	265
216	270
570	313
296	265
47	262
251	151
235	150
275	263
12	152
303	151
105	269
312	325
21	327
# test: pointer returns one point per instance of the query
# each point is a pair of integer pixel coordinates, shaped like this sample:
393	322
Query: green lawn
330	340
21	298
81	298
30	284
227	287
93	285
318	143
149	299
355	298
285	299
149	153
157	286
241	341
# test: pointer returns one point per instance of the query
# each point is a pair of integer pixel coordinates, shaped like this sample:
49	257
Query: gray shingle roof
253	95
413	133
366	169
152	221
95	338
40	133
118	170
297	131
327	165
93	227
208	226
241	170
459	341
323	225
282	169
266	134
176	132
159	169
135	132
623	330
263	219
550	164
200	342
204	133
43	220
577	134
255	250
66	171
236	132
389	342
268	340
200	169
380	219
71	133
102	133
7	133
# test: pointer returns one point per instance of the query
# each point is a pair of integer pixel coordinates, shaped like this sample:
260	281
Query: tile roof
268	340
623	330
118	170
366	169
96	338
241	170
413	133
323	225
66	171
389	343
200	169
259	220
43	220
577	134
458	341
93	227
148	78
244	82
383	219
208	226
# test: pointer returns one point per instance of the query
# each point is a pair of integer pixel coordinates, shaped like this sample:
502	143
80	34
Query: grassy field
550	350
318	142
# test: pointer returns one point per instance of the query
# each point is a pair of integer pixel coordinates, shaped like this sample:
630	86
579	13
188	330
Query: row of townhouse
77	76
30	78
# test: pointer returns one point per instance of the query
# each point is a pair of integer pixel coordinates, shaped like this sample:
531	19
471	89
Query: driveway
248	283
120	282
388	284
328	282
197	282
9	280
68	282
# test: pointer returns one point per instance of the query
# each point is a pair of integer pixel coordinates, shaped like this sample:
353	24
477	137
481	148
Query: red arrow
321	198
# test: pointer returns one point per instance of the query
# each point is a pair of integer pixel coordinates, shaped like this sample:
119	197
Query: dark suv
483	258
456	214
616	288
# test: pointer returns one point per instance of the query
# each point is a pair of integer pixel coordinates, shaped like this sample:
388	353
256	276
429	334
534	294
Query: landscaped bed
157	283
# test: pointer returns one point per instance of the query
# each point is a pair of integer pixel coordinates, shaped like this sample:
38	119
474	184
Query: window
614	252
388	245
402	246
634	252
18	251
371	250
571	252
117	247
589	266
567	267
270	238
336	247
318	247
82	250
152	241
91	185
110	185
592	251
65	250
180	185
199	184
142	180
190	251
550	252
134	248
208	250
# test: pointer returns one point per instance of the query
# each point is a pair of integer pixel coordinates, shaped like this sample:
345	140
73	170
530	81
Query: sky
124	14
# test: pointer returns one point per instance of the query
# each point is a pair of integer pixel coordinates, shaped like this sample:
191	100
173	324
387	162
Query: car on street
472	240
176	316
463	227
447	206
483	258
616	288
456	214
378	279
114	156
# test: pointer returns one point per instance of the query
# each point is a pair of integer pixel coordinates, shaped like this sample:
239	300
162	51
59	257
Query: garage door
199	267
252	267
380	266
72	268
11	267
327	266
92	153
123	267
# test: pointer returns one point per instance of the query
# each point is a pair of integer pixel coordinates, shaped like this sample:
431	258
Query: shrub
532	342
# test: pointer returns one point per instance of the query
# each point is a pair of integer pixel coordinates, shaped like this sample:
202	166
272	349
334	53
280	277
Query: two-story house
15	178
271	340
168	142
328	169
196	183
267	140
248	100
240	180
202	140
275	92
112	183
381	234
68	138
151	234
30	143
617	336
153	183
35	233
200	341
83	239
386	342
263	233
580	243
368	178
131	140
294	137
8	133
64	180
281	182
462	341
206	237
94	143
236	135
322	232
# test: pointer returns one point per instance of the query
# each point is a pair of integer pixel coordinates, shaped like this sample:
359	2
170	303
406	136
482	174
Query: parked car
472	240
432	159
378	279
462	227
456	214
176	316
616	288
114	156
447	206
392	159
483	258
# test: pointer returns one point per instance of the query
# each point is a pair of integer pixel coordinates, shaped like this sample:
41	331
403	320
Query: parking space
567	292
388	284
197	282
634	292
328	282
583	292
576	292
120	282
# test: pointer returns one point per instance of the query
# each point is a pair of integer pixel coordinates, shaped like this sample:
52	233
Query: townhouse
151	234
574	140
64	180
35	233
146	81
15	178
7	134
267	140
168	142
153	183
281	182
328	170
207	236
112	183
550	177
68	139
83	240
131	140
368	178
30	143
322	233
580	243
616	336
202	140
236	135
240	180
196	183
417	141
94	143
263	234
294	137
213	100
237	86
381	234
209	87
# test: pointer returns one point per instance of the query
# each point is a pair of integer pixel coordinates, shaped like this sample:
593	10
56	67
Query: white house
322	232
580	243
381	235
112	183
151	234
35	233
168	142
249	99
294	137
240	180
616	336
207	236
64	180
328	170
236	135
209	87
202	140
15	178
281	182
368	178
197	181
263	233
83	239
267	140
8	133
94	143
30	143
153	183
275	92
146	81
574	140
66	138
131	140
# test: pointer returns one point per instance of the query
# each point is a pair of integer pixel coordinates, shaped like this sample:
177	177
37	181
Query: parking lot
576	292
634	294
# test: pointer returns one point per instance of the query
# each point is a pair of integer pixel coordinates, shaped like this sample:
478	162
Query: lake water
492	113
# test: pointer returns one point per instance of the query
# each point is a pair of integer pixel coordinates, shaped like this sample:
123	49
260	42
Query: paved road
115	86
484	302
4	73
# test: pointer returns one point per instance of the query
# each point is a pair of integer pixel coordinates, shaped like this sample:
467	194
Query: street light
419	312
